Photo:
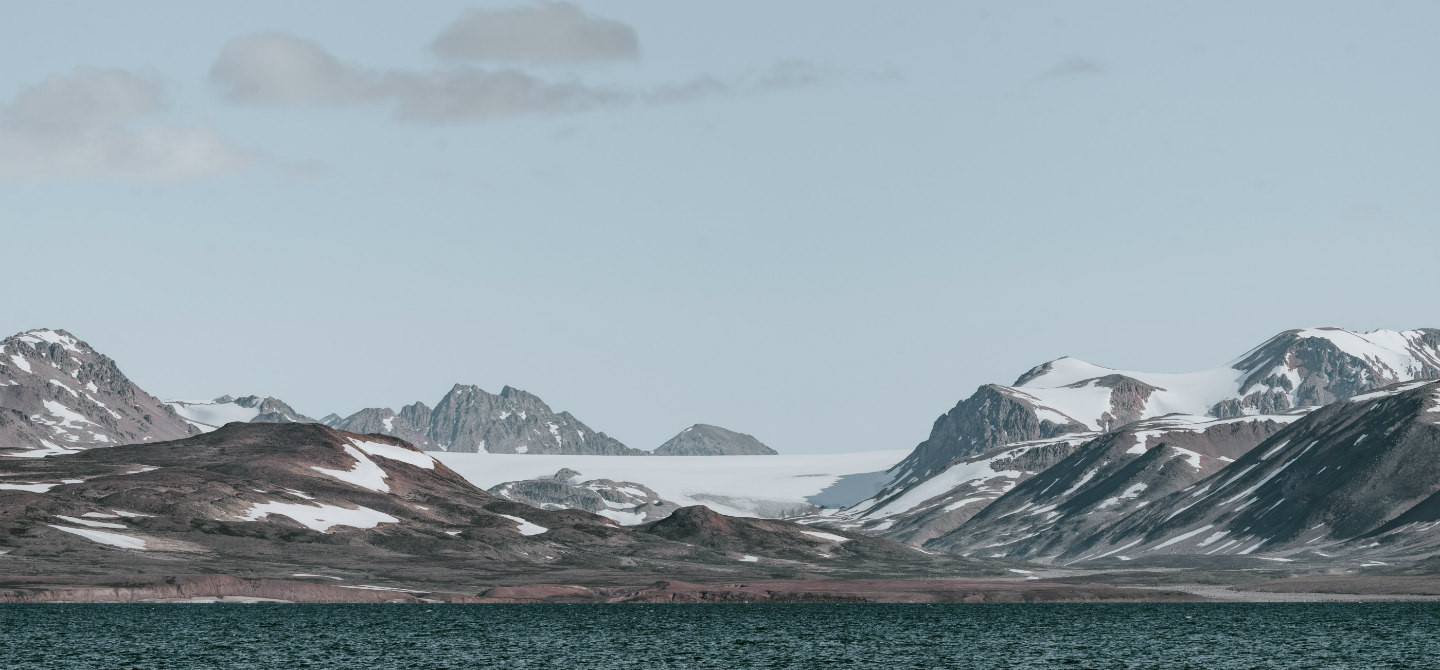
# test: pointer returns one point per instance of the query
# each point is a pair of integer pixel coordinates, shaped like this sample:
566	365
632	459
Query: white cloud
95	122
543	33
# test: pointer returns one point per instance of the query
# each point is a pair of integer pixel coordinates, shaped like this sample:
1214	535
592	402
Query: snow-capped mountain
210	415
58	395
1361	475
1106	479
1297	368
706	440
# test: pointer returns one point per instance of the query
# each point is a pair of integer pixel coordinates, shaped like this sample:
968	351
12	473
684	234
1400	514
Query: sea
269	636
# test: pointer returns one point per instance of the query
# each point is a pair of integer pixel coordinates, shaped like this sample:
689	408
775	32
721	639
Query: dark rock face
468	419
69	396
1127	399
989	418
705	440
1354	476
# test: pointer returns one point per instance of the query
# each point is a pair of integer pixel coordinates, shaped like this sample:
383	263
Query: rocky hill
307	504
706	440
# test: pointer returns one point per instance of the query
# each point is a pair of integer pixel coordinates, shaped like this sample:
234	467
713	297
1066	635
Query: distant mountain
470	420
384	421
705	440
1297	368
208	416
63	396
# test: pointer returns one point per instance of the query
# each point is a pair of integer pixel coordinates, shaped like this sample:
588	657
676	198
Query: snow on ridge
418	459
825	536
47	336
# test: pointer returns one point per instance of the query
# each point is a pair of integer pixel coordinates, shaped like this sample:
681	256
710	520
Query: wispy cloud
542	33
283	69
94	122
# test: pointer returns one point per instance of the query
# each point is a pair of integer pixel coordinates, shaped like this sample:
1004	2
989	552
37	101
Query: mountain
948	498
470	420
1105	479
705	440
304	511
1354	477
1297	368
252	409
63	396
384	421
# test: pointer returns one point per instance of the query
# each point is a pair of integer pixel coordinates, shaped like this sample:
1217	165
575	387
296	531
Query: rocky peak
468	419
72	397
706	440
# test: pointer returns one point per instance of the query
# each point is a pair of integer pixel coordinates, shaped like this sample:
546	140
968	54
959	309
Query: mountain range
1072	451
59	395
1314	454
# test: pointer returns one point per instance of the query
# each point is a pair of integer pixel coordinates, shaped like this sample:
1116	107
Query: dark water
383	637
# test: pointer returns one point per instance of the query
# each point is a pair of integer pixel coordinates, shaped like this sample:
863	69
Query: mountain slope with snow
1106	479
1297	368
66	397
1361	475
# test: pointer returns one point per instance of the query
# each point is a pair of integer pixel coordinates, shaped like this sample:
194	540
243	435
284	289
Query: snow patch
525	527
418	459
825	536
365	474
111	539
321	516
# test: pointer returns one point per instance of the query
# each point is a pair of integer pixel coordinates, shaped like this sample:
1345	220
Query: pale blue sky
863	211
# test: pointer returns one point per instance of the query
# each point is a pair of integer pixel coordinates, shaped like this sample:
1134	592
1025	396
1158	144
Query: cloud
469	94
1073	67
94	122
281	69
276	68
543	33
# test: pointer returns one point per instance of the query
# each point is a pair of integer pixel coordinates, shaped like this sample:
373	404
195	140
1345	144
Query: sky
821	223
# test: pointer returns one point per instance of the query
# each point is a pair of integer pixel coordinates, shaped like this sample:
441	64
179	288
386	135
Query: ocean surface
732	637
